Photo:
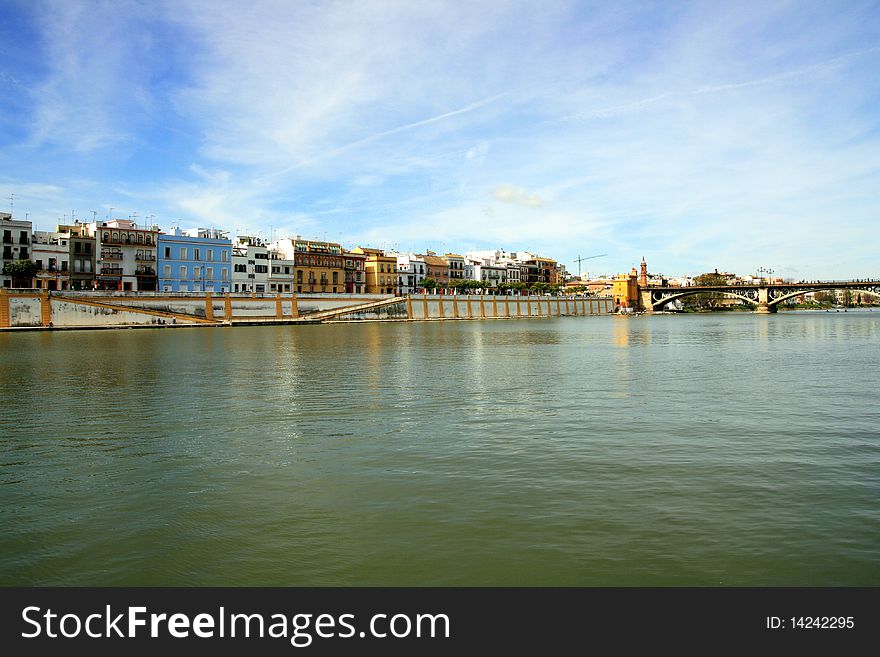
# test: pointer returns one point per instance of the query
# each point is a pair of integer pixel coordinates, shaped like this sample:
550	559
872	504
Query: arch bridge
765	297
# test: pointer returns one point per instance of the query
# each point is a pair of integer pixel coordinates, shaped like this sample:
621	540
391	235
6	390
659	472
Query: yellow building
380	270
626	290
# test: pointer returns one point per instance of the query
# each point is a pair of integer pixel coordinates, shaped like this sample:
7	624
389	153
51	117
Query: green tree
21	271
428	284
706	300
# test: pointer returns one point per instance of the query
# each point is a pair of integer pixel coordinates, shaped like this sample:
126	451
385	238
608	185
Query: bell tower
643	277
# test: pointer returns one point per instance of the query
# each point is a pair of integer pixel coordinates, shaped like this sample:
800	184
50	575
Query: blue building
196	260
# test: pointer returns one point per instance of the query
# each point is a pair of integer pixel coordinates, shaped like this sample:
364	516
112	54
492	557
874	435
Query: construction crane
579	260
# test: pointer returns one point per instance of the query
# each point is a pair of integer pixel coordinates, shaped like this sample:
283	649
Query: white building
126	255
250	265
411	269
51	252
281	271
16	242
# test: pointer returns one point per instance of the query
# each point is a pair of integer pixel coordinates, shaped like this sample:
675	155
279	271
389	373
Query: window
210	255
167	271
196	254
224	274
183	253
64	265
261	288
299	277
182	272
272	288
39	264
241	268
168	253
335	278
225	256
210	274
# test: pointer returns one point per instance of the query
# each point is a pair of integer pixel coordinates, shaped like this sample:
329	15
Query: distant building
456	266
437	268
196	260
318	265
355	272
82	255
380	271
16	242
51	252
250	265
126	255
411	270
281	272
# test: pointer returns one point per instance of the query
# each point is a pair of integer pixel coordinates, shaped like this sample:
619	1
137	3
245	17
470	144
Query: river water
718	449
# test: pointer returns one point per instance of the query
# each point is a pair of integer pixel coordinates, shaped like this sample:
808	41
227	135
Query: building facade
82	256
355	273
318	265
15	238
411	270
197	260
250	265
51	252
126	255
380	271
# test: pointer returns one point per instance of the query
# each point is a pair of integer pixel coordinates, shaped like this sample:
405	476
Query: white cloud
517	195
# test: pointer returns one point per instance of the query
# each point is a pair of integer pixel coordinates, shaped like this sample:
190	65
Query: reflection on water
729	449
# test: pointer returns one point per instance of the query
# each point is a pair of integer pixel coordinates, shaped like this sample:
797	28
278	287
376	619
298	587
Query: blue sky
734	135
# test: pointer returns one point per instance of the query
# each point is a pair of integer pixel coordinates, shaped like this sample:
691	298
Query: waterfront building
380	271
81	256
126	255
16	243
355	275
484	266
280	272
250	265
51	252
456	266
626	290
318	265
411	270
196	260
437	268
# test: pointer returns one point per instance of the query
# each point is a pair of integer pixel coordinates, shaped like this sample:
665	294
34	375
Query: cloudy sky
734	135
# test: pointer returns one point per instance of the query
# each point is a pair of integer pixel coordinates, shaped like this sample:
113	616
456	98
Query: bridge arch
790	293
659	300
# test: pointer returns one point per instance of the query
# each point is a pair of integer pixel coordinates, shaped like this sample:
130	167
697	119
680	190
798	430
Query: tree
706	300
21	270
428	284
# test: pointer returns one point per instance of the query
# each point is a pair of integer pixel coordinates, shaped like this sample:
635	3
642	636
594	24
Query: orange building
380	271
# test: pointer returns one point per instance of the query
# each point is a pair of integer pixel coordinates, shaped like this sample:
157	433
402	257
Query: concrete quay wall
42	309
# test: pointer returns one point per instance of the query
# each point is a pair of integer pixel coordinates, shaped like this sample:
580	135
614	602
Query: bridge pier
764	307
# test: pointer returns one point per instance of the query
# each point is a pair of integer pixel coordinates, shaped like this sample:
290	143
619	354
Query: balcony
109	255
23	240
145	271
111	271
145	258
